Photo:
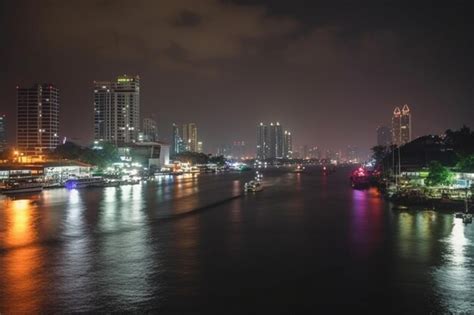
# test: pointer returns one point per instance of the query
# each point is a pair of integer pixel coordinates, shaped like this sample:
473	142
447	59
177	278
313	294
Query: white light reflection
454	278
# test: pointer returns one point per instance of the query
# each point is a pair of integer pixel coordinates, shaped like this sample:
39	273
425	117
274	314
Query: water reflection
454	278
21	264
367	216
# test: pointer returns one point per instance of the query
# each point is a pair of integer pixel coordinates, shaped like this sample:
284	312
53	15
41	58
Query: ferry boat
360	179
83	182
21	187
254	185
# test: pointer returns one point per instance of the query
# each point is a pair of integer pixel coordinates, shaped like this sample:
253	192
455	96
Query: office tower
37	119
238	149
190	138
275	140
3	133
401	125
279	139
225	150
405	125
384	137
177	144
103	118
396	123
262	145
314	153
305	152
117	110
150	130
287	145
200	147
352	154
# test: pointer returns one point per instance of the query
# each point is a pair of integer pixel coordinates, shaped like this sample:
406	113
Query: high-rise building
37	119
401	125
314	153
275	140
287	145
270	141
405	125
384	136
117	110
396	123
189	136
150	130
238	149
3	133
177	145
262	144
200	147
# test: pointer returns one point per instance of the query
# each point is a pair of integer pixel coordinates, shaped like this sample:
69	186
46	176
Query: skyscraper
3	133
177	145
189	136
384	137
117	110
401	125
37	119
238	149
150	130
405	125
262	145
396	123
279	139
270	141
287	145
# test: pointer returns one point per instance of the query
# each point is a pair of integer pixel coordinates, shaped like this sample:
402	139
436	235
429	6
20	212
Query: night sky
330	71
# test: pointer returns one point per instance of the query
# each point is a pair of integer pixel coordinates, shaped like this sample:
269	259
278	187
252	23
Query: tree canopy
438	175
72	151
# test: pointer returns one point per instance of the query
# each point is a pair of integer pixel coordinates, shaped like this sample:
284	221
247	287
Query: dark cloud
330	71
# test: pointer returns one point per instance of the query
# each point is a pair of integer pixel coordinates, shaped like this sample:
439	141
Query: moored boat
22	187
83	182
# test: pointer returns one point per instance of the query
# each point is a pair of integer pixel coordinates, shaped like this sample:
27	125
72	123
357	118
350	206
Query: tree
191	157
378	153
438	175
466	164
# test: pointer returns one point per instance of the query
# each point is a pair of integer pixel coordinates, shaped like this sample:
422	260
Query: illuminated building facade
262	144
150	130
401	125
287	145
117	110
3	133
189	136
270	141
37	119
177	142
384	136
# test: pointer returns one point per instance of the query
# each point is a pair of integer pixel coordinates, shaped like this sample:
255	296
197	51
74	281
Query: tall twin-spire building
117	110
401	125
273	142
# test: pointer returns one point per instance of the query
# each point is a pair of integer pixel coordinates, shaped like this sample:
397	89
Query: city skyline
303	63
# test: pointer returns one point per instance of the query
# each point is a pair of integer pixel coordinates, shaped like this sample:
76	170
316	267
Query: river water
196	244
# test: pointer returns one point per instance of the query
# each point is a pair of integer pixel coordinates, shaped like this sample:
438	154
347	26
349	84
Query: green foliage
466	164
438	175
100	158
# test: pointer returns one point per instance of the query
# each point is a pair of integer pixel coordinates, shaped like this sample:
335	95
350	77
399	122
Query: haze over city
236	157
331	73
